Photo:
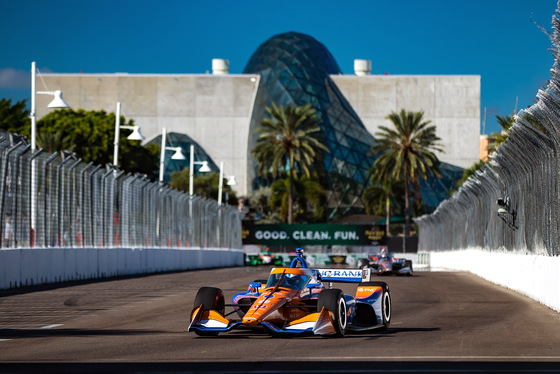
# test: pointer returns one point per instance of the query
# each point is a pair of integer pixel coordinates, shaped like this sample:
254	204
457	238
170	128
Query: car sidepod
402	266
373	307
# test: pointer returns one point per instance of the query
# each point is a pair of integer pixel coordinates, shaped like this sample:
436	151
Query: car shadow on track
252	334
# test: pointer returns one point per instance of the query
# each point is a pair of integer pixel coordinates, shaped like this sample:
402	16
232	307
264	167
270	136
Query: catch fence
48	201
513	202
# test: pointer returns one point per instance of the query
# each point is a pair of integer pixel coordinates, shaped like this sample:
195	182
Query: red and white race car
387	263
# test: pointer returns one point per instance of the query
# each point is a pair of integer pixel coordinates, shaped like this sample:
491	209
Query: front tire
211	298
333	300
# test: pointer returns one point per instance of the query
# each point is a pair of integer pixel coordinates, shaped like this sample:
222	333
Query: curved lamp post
136	135
230	182
203	169
57	102
178	155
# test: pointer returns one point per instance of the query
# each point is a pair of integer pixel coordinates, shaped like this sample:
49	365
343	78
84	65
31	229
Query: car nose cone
251	321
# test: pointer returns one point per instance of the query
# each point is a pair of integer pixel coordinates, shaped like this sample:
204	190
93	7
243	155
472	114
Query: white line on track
427	358
51	326
35	326
393	371
47	316
42	328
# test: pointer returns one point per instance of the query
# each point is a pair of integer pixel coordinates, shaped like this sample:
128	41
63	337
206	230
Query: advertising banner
312	234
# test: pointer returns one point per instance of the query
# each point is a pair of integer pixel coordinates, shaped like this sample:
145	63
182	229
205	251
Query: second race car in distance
264	258
387	263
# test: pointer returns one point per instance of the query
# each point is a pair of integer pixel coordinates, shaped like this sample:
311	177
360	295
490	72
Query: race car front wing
320	323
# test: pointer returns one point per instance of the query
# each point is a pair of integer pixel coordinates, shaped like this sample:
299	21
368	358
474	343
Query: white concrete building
216	110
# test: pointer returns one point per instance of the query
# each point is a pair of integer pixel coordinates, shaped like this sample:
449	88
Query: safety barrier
48	201
512	203
30	267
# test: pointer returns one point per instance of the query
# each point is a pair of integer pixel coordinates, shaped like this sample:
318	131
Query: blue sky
496	39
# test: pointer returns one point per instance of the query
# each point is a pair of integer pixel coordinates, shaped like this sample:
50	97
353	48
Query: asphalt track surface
442	322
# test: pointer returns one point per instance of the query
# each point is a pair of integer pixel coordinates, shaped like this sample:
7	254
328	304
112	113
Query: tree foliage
90	134
470	171
53	142
309	198
15	118
497	138
259	202
204	184
382	197
289	143
406	152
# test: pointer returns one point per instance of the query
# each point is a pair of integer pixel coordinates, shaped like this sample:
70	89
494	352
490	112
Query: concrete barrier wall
27	267
536	276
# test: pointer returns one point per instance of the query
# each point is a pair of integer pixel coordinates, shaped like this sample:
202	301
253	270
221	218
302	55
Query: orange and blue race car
295	300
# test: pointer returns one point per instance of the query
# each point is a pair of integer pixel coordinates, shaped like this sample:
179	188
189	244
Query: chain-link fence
513	202
47	201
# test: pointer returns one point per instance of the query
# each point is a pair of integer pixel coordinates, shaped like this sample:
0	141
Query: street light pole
33	106
117	134
57	102
162	154
203	169
135	135
191	171
178	155
231	182
221	183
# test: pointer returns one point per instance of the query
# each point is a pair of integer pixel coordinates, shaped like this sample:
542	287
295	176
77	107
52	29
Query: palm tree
289	143
406	151
497	138
307	193
469	172
259	202
379	197
53	142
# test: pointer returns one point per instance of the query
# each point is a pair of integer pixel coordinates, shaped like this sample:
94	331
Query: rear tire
386	306
211	298
333	300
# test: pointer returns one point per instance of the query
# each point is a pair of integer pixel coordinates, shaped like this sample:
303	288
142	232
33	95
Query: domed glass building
296	68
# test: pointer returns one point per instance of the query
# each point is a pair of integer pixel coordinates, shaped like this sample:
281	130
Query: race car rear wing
345	275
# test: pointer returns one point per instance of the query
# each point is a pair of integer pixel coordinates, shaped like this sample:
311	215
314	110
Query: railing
513	202
46	201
